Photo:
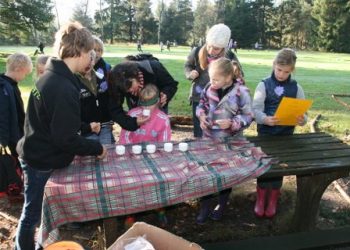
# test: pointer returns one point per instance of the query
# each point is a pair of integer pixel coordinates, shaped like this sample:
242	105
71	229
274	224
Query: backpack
141	57
10	173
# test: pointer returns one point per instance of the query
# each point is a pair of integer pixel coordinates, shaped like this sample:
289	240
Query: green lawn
320	74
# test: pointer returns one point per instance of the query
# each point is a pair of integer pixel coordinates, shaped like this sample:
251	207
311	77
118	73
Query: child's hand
301	120
163	99
95	127
142	119
224	123
271	121
203	122
194	74
103	155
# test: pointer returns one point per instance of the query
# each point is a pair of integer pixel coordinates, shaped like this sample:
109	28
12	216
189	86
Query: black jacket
153	72
11	112
95	103
52	121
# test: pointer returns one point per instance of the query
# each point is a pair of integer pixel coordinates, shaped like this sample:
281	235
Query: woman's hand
271	121
194	74
142	119
163	99
95	127
203	122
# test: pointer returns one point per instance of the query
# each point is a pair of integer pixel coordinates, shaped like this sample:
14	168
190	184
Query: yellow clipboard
290	108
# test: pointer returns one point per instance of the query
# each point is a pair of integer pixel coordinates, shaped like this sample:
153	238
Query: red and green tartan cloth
91	189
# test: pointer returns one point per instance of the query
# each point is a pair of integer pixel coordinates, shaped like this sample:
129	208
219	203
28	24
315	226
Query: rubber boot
204	211
259	208
219	209
272	203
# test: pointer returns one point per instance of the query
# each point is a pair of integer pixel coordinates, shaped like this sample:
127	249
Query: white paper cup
146	112
151	148
183	146
120	149
168	147
137	149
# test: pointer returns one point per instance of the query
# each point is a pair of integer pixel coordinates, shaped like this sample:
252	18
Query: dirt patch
238	223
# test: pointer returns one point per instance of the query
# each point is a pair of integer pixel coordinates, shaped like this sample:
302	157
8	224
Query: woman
196	67
128	78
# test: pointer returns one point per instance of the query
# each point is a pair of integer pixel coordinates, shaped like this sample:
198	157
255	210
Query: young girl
156	129
268	95
196	66
224	110
94	105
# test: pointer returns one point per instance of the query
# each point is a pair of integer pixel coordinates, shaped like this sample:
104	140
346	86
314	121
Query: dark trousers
197	131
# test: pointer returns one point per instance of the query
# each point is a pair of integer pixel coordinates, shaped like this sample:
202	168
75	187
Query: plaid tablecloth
90	189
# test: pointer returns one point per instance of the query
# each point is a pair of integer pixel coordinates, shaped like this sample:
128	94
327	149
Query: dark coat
52	122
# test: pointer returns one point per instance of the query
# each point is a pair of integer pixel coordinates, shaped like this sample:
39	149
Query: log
313	123
180	120
9	217
341	191
335	97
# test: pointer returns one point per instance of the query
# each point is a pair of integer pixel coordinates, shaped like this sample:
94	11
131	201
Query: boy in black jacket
52	121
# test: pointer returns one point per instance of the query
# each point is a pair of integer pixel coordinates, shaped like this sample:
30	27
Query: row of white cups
151	148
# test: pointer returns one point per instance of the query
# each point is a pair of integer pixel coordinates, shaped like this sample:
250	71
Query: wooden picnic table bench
316	159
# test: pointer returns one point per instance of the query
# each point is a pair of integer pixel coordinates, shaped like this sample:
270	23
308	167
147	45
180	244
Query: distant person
41	47
235	46
161	45
256	45
52	122
127	79
18	66
168	44
268	95
224	110
139	46
196	66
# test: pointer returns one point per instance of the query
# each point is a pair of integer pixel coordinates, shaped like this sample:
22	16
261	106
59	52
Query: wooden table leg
310	189
110	226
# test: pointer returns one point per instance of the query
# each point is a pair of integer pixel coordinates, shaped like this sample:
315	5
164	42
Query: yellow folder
290	108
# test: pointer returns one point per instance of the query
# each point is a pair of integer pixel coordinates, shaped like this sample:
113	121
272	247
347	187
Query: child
40	65
94	104
224	110
18	66
156	129
52	121
268	95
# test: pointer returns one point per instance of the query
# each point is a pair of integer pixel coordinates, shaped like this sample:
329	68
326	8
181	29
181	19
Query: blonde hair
149	92
203	56
73	39
98	42
226	67
18	61
286	57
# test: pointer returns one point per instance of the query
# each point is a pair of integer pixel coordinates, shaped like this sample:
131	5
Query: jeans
197	131
34	184
104	137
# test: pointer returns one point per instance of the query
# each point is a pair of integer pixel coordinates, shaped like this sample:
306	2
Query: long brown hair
203	56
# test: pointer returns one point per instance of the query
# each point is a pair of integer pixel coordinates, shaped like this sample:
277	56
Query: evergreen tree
204	18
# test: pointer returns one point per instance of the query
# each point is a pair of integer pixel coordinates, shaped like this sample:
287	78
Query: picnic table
91	189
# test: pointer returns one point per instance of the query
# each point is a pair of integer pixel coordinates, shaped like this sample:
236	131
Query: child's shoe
204	211
218	211
129	221
162	219
272	203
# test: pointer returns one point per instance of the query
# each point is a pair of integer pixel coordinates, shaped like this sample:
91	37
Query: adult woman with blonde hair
196	66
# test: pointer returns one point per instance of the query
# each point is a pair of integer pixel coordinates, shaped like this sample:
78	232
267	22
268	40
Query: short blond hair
98	42
73	39
18	61
149	92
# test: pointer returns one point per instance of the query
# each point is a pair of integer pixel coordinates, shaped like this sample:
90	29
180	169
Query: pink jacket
157	129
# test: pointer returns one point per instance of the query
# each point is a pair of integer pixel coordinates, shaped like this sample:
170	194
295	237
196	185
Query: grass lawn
320	74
